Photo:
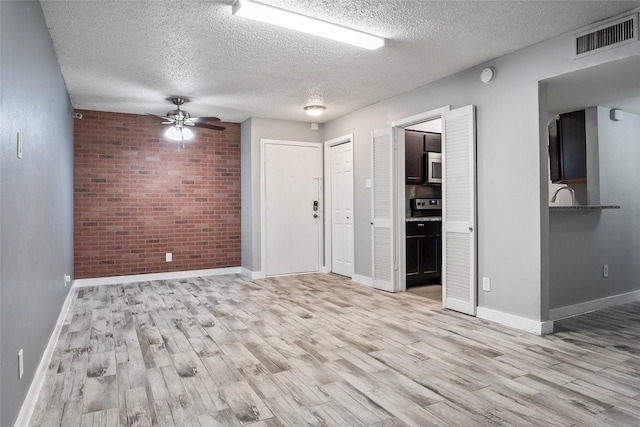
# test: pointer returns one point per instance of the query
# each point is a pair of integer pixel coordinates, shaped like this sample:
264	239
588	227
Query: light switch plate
486	284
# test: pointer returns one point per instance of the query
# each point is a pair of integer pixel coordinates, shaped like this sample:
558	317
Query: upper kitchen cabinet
414	157
417	145
574	153
568	147
433	142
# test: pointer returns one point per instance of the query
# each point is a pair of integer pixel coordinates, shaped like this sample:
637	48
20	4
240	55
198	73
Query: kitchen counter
424	218
582	208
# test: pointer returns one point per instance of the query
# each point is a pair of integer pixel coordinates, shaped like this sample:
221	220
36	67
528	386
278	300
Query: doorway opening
423	216
416	249
458	203
388	202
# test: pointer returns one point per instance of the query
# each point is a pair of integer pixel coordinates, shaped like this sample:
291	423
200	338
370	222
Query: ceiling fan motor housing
178	115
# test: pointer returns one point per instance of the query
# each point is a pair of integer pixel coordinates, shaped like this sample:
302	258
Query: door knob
470	228
315	215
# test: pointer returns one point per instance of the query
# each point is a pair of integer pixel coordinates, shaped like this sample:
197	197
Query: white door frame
327	198
263	219
401	232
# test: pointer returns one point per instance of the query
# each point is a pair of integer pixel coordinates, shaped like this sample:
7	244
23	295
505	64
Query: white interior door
382	218
292	209
342	237
459	279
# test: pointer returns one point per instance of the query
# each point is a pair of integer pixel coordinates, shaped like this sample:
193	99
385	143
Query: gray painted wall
513	246
36	197
581	242
252	131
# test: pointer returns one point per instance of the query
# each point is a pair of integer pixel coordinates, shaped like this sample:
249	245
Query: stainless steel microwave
434	168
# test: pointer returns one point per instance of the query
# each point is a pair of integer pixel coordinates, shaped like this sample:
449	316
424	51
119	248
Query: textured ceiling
129	56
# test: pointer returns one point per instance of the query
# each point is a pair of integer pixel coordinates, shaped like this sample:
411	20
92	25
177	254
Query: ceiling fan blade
204	119
160	117
142	122
208	126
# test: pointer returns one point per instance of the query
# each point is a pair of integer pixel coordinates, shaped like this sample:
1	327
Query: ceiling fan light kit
306	24
315	110
179	133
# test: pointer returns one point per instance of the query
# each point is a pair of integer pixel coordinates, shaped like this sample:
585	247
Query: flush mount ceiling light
314	110
306	24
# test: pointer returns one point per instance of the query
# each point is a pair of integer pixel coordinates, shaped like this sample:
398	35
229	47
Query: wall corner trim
252	274
513	321
115	280
363	280
597	304
30	401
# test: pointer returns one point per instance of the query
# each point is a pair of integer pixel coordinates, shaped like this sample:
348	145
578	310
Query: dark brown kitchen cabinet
424	253
417	145
433	142
568	147
414	157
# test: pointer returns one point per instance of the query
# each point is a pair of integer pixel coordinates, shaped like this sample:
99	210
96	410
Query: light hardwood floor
320	350
433	292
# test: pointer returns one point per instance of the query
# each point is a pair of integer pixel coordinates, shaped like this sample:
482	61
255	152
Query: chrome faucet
565	187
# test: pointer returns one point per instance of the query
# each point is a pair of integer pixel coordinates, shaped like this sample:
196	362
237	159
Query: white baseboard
363	280
598	304
517	322
83	283
252	274
29	404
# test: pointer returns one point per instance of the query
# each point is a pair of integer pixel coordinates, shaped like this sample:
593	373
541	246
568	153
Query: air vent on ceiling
611	34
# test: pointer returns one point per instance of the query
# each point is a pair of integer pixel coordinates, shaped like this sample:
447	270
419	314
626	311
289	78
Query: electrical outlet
486	284
169	257
20	364
67	280
19	143
605	270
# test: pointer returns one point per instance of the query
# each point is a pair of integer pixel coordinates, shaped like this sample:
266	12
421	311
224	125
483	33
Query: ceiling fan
180	121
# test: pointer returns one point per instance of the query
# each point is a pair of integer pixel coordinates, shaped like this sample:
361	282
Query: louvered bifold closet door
459	289
382	211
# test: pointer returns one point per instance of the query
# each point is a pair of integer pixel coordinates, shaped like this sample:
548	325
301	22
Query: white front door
341	176
459	283
292	208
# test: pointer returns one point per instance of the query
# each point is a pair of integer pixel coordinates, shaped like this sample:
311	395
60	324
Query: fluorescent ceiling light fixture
306	24
179	134
314	110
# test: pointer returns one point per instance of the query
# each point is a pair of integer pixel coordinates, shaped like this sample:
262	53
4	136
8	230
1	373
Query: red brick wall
137	196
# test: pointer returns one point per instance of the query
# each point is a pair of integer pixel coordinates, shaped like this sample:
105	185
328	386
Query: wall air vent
612	34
